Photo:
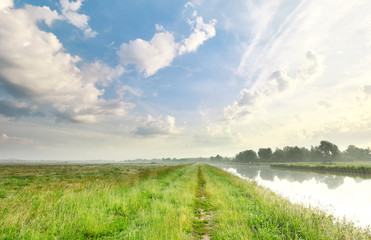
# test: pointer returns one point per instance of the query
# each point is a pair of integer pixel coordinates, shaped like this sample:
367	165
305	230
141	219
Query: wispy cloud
4	138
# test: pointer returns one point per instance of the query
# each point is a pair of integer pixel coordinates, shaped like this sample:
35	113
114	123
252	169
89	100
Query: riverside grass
347	168
151	202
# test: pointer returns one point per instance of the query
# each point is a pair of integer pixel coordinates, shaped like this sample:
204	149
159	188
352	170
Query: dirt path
202	222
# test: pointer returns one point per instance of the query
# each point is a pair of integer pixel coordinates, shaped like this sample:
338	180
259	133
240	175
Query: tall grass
150	204
162	202
244	210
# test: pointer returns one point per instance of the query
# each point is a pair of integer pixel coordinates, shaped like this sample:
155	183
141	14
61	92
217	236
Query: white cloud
201	32
160	51
69	11
312	69
150	56
244	106
281	80
35	67
274	86
100	73
42	14
5	4
158	126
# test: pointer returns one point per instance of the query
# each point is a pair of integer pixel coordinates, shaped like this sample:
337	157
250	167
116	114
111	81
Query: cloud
100	73
4	138
248	99
276	84
312	69
367	89
201	33
324	104
16	109
44	13
69	11
5	4
157	126
160	51
35	67
217	134
149	56
123	90
281	79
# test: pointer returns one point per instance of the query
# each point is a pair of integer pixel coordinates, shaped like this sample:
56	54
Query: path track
202	222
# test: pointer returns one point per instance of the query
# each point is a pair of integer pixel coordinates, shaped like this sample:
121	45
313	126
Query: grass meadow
143	201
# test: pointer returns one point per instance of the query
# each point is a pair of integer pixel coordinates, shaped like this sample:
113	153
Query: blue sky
149	79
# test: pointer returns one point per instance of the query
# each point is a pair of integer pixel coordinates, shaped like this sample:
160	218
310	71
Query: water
343	197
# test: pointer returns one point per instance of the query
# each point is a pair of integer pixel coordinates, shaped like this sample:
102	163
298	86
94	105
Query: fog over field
116	80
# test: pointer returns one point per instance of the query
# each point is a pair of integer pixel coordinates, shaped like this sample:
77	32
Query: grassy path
165	202
203	216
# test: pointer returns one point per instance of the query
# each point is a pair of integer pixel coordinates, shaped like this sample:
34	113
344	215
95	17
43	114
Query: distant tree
246	156
265	154
353	153
278	155
293	154
217	158
327	151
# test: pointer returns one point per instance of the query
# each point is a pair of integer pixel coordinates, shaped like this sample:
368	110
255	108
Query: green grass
354	168
121	201
244	210
147	204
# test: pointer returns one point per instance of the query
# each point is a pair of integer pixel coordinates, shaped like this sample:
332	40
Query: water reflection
341	196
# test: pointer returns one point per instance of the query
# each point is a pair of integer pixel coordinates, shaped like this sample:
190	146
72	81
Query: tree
217	158
356	154
246	156
265	154
293	154
328	151
278	155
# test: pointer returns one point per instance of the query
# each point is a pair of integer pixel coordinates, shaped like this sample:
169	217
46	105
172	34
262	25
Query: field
123	201
346	168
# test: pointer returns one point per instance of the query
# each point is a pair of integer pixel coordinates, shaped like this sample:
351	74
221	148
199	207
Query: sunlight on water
342	197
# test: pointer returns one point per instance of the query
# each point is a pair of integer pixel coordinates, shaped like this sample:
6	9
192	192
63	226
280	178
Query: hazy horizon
151	79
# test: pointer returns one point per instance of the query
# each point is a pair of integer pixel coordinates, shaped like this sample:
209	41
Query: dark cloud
17	109
16	90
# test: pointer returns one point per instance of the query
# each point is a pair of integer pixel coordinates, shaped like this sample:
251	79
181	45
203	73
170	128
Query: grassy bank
119	202
151	202
338	167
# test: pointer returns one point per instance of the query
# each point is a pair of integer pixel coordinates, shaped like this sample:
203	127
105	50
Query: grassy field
346	168
150	202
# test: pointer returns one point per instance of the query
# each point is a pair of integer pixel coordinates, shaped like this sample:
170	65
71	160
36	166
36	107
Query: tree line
325	152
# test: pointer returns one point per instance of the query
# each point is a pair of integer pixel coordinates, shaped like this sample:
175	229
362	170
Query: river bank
337	168
193	201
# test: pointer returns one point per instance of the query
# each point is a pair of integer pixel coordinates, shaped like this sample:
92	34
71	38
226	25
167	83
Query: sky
120	79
